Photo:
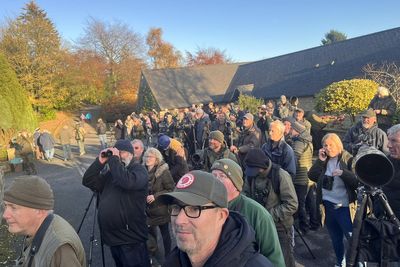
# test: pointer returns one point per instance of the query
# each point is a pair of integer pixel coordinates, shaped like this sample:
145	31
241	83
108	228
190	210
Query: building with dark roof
302	74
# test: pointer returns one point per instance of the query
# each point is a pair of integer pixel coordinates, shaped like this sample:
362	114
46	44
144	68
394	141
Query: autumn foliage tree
346	97
207	56
162	54
32	45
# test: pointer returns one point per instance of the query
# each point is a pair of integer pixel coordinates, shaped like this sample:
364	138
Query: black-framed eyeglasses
190	211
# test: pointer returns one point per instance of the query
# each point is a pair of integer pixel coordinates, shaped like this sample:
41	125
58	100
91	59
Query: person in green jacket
231	175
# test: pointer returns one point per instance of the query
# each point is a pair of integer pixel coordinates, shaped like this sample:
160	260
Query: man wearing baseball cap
206	233
231	175
249	138
50	240
122	185
365	132
272	187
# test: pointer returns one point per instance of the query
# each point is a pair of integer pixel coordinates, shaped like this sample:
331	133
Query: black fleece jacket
122	202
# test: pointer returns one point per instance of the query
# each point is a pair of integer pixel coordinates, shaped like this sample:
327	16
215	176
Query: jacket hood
237	243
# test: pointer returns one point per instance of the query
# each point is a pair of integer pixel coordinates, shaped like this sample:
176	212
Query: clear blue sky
246	30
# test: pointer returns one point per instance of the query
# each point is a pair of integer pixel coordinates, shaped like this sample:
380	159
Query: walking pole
305	243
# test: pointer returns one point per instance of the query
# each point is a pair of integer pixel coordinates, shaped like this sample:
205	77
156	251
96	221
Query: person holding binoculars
336	190
122	185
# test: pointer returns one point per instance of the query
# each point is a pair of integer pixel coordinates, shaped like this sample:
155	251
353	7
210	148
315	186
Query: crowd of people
233	186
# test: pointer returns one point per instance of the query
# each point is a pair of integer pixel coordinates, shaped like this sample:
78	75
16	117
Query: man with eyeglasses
122	185
206	232
231	175
138	149
277	150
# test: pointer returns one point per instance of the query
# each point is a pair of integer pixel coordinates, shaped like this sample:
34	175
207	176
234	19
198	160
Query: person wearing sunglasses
206	232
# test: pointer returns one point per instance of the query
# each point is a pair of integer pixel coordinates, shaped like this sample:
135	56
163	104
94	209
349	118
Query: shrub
346	97
249	103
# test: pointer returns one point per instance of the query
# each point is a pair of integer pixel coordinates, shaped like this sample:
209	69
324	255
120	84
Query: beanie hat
124	145
255	160
232	170
164	141
217	135
198	188
30	191
298	127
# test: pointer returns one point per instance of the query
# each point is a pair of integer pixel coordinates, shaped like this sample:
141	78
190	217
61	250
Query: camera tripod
365	195
92	239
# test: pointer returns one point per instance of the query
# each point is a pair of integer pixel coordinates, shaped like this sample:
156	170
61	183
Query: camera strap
38	238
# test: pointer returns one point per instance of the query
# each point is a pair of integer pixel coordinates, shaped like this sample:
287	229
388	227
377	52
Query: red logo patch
185	181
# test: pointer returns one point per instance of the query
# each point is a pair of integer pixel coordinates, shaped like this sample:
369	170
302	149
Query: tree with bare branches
116	43
387	75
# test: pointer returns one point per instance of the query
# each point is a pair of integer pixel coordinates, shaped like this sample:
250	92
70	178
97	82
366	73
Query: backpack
79	134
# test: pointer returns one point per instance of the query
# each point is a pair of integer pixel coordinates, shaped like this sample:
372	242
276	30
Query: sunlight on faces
150	160
197	235
214	144
275	133
22	220
221	176
331	148
288	126
125	156
368	122
137	150
394	145
247	123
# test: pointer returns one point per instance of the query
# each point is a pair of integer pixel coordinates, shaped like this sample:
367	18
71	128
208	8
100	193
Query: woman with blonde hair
336	185
160	181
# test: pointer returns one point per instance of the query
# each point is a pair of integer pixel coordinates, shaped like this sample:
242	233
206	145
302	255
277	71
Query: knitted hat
163	141
30	191
255	160
231	169
217	135
298	127
124	145
198	188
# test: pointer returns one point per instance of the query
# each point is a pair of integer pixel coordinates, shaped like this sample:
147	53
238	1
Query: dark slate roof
181	87
306	72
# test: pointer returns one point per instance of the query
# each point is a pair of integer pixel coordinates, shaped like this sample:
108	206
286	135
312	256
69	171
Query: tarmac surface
72	200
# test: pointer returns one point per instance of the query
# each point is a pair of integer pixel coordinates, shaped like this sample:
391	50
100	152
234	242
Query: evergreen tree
333	36
15	109
32	46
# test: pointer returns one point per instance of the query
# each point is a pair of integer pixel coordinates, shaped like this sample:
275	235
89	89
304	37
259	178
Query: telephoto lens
106	154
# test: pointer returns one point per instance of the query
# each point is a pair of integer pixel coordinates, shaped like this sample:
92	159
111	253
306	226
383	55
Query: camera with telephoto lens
327	182
106	154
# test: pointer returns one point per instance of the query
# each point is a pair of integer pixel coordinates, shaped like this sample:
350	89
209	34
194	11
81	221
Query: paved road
72	199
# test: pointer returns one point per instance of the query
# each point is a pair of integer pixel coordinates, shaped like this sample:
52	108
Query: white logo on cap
185	181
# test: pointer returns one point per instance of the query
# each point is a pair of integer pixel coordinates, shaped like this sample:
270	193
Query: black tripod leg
305	243
84	215
355	236
92	237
